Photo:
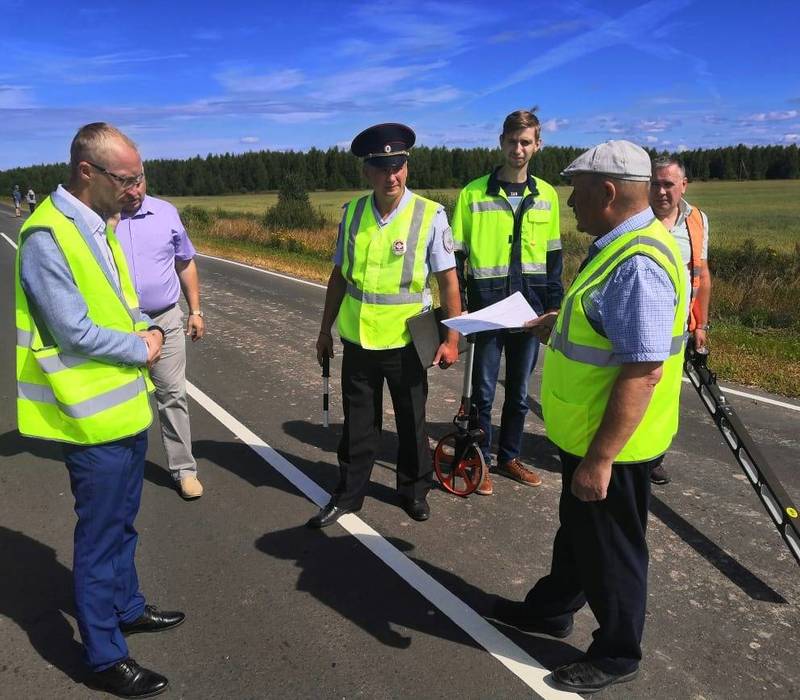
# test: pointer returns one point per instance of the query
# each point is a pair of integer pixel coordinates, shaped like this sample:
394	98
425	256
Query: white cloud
774	116
241	81
651	139
552	125
791	138
681	148
249	139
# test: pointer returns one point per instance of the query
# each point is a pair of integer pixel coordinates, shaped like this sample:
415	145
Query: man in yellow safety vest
83	352
389	242
610	397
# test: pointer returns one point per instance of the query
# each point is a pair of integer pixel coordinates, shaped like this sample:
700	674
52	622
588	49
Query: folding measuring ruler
755	466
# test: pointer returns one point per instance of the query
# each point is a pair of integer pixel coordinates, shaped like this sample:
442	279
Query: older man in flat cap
610	392
388	244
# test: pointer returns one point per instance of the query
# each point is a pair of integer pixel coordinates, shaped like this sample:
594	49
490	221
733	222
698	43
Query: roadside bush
294	210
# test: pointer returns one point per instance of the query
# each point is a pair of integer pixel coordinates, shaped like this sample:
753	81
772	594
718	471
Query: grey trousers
169	376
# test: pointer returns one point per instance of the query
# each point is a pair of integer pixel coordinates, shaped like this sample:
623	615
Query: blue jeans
521	351
106	481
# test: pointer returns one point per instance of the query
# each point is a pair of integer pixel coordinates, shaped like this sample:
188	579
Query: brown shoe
190	488
513	469
485	488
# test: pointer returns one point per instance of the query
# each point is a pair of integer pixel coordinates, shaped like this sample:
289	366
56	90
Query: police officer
83	349
388	244
506	227
610	396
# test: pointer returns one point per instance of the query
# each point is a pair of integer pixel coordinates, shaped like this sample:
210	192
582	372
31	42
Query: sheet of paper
512	312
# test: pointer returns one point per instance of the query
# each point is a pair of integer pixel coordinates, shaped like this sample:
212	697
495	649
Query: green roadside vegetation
754	253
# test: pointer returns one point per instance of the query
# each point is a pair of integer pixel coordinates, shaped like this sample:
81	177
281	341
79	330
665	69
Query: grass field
767	211
754	251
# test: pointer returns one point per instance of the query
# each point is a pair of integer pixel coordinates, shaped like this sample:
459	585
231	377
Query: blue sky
195	78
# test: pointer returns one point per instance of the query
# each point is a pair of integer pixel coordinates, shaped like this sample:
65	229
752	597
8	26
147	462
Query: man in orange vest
689	226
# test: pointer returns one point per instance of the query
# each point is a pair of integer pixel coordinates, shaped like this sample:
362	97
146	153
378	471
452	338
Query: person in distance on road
16	195
388	244
689	226
610	396
83	352
161	260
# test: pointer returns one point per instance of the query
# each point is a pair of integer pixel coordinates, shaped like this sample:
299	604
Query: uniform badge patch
447	240
399	247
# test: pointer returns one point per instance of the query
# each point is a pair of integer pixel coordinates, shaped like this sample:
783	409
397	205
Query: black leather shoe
658	475
585	677
328	515
127	679
152	620
417	508
516	614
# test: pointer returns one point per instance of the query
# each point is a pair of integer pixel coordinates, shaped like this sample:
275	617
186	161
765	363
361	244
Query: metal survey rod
326	374
755	466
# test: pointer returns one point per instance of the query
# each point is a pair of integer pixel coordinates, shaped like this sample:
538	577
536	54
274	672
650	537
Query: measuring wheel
459	464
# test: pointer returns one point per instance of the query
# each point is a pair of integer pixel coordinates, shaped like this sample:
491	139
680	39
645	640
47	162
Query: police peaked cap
384	145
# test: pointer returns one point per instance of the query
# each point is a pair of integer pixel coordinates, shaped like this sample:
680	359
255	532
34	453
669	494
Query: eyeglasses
125	182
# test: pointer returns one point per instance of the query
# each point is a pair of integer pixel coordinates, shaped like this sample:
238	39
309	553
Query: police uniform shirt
440	243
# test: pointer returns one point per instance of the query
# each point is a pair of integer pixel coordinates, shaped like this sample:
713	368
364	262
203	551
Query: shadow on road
363	591
745	579
35	593
12	443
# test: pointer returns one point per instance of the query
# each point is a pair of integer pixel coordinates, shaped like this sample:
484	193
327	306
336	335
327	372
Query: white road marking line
261	269
763	399
727	390
525	667
8	239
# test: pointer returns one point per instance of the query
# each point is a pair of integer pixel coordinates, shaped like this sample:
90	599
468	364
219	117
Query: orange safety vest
694	224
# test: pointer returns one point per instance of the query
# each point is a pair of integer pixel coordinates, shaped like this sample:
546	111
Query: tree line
431	168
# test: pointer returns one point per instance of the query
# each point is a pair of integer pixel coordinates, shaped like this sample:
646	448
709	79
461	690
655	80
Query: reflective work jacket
580	368
694	224
386	273
73	398
507	251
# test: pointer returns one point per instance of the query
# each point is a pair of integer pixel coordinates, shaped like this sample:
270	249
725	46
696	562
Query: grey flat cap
622	160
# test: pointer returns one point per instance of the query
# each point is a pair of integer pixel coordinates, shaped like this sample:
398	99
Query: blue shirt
635	307
440	243
52	292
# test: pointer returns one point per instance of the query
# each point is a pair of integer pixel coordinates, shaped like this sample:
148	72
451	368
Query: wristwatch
196	312
704	327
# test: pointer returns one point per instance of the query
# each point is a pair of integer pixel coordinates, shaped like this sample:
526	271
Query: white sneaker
191	488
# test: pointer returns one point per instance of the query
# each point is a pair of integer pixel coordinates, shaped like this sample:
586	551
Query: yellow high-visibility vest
73	398
385	269
579	366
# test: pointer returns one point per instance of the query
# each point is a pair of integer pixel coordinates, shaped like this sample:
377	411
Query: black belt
160	311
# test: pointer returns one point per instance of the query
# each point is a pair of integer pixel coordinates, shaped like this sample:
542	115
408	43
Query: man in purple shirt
161	261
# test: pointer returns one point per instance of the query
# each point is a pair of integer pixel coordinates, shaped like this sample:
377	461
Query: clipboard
427	334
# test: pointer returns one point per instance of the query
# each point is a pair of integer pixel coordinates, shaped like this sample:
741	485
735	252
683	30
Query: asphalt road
380	606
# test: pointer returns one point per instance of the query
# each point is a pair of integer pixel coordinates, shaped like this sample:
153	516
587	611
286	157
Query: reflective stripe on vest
68	397
88	407
385	268
580	368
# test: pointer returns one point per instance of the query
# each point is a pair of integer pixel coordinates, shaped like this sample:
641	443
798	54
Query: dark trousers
521	350
363	375
600	556
106	481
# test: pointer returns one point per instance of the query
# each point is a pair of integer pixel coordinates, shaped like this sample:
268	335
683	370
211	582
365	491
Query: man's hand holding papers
514	312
